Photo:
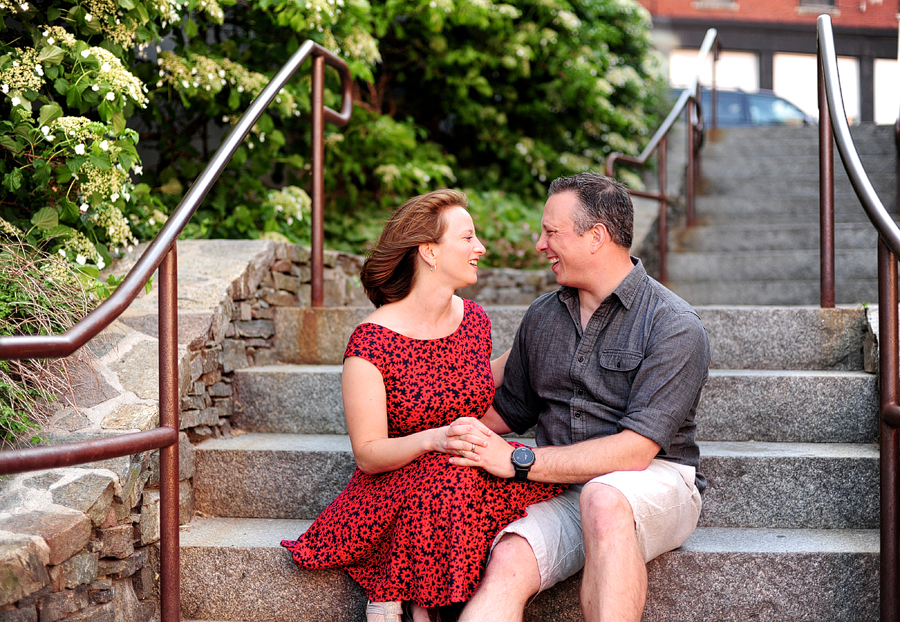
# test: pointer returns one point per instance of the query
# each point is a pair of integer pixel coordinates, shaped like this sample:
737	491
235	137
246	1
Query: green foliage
66	153
39	295
525	91
490	97
508	227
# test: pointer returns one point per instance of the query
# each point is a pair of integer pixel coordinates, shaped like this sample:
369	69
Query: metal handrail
162	254
833	115
688	100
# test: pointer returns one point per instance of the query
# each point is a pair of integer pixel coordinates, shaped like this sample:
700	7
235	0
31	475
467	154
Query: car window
730	107
771	110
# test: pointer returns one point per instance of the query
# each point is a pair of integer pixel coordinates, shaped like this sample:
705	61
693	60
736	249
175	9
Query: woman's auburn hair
389	271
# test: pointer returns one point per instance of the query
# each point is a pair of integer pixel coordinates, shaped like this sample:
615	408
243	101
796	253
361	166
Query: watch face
523	456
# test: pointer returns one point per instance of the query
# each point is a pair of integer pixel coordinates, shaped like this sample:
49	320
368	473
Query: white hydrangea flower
104	145
79	149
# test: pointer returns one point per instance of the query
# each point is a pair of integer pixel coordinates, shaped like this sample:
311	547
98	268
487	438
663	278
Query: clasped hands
471	443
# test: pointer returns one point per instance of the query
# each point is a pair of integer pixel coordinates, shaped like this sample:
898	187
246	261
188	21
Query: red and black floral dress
421	532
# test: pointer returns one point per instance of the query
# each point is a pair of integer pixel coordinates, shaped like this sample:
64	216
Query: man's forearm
581	462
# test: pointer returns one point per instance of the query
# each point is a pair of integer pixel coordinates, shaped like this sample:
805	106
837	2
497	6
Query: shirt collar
626	292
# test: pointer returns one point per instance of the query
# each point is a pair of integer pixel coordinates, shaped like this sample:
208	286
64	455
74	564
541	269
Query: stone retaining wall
81	543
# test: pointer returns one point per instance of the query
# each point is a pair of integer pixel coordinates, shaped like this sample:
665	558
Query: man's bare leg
511	578
614	586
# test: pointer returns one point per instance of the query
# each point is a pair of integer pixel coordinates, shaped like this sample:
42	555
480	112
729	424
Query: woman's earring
433	266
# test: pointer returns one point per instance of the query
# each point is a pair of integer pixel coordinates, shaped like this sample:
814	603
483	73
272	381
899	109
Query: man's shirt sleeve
667	387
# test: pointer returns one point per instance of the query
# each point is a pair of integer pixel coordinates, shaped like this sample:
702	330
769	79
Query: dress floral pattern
421	532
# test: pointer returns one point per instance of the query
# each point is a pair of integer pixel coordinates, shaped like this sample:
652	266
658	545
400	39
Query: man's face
566	250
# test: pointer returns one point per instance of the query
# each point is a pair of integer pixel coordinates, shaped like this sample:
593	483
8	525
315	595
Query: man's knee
511	552
604	508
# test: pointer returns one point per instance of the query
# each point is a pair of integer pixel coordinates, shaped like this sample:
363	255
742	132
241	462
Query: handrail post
897	147
169	558
890	436
663	210
826	195
714	92
317	99
691	112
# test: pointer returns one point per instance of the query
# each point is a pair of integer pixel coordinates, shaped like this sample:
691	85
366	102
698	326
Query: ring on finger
473	448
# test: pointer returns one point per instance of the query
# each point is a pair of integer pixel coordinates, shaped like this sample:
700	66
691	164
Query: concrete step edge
718	575
268	533
262	441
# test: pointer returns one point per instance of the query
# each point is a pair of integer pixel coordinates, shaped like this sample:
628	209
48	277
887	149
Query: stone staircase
756	240
787	423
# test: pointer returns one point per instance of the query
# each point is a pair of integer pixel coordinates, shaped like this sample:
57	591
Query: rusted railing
833	116
162	254
688	103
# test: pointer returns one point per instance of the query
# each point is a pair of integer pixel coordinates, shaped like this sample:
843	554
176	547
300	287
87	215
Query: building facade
771	44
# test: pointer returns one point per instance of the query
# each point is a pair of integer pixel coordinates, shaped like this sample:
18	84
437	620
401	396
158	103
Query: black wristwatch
522	459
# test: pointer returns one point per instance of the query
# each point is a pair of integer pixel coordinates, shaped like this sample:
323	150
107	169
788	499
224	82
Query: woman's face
457	253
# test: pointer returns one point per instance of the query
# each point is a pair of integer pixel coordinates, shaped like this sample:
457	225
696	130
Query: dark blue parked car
739	108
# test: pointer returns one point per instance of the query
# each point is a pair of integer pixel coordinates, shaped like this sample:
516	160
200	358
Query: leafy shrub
508	228
489	97
66	153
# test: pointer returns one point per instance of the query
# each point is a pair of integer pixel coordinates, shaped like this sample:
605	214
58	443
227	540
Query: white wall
794	78
887	91
735	70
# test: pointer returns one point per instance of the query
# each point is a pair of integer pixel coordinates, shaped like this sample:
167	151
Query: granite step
764	237
788	165
236	570
800	206
739	405
788	485
773	265
774	293
751	142
749	337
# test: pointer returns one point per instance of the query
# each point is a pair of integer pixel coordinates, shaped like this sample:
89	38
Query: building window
818	6
715	5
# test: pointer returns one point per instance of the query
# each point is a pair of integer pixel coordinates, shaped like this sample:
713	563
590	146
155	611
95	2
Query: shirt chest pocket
620	360
617	371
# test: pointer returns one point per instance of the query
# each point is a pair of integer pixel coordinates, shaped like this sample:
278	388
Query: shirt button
580	392
578	415
581	359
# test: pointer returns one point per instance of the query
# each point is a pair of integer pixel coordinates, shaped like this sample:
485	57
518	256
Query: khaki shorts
663	497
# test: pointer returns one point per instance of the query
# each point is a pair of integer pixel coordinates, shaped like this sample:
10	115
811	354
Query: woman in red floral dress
410	527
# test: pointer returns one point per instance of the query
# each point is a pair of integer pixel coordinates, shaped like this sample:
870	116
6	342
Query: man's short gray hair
602	200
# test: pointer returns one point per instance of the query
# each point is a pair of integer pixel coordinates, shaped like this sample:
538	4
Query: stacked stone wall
81	543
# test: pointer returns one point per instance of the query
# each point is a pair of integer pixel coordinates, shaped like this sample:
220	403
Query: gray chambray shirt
640	364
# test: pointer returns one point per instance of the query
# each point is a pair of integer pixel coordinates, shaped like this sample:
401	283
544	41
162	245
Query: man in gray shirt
609	368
